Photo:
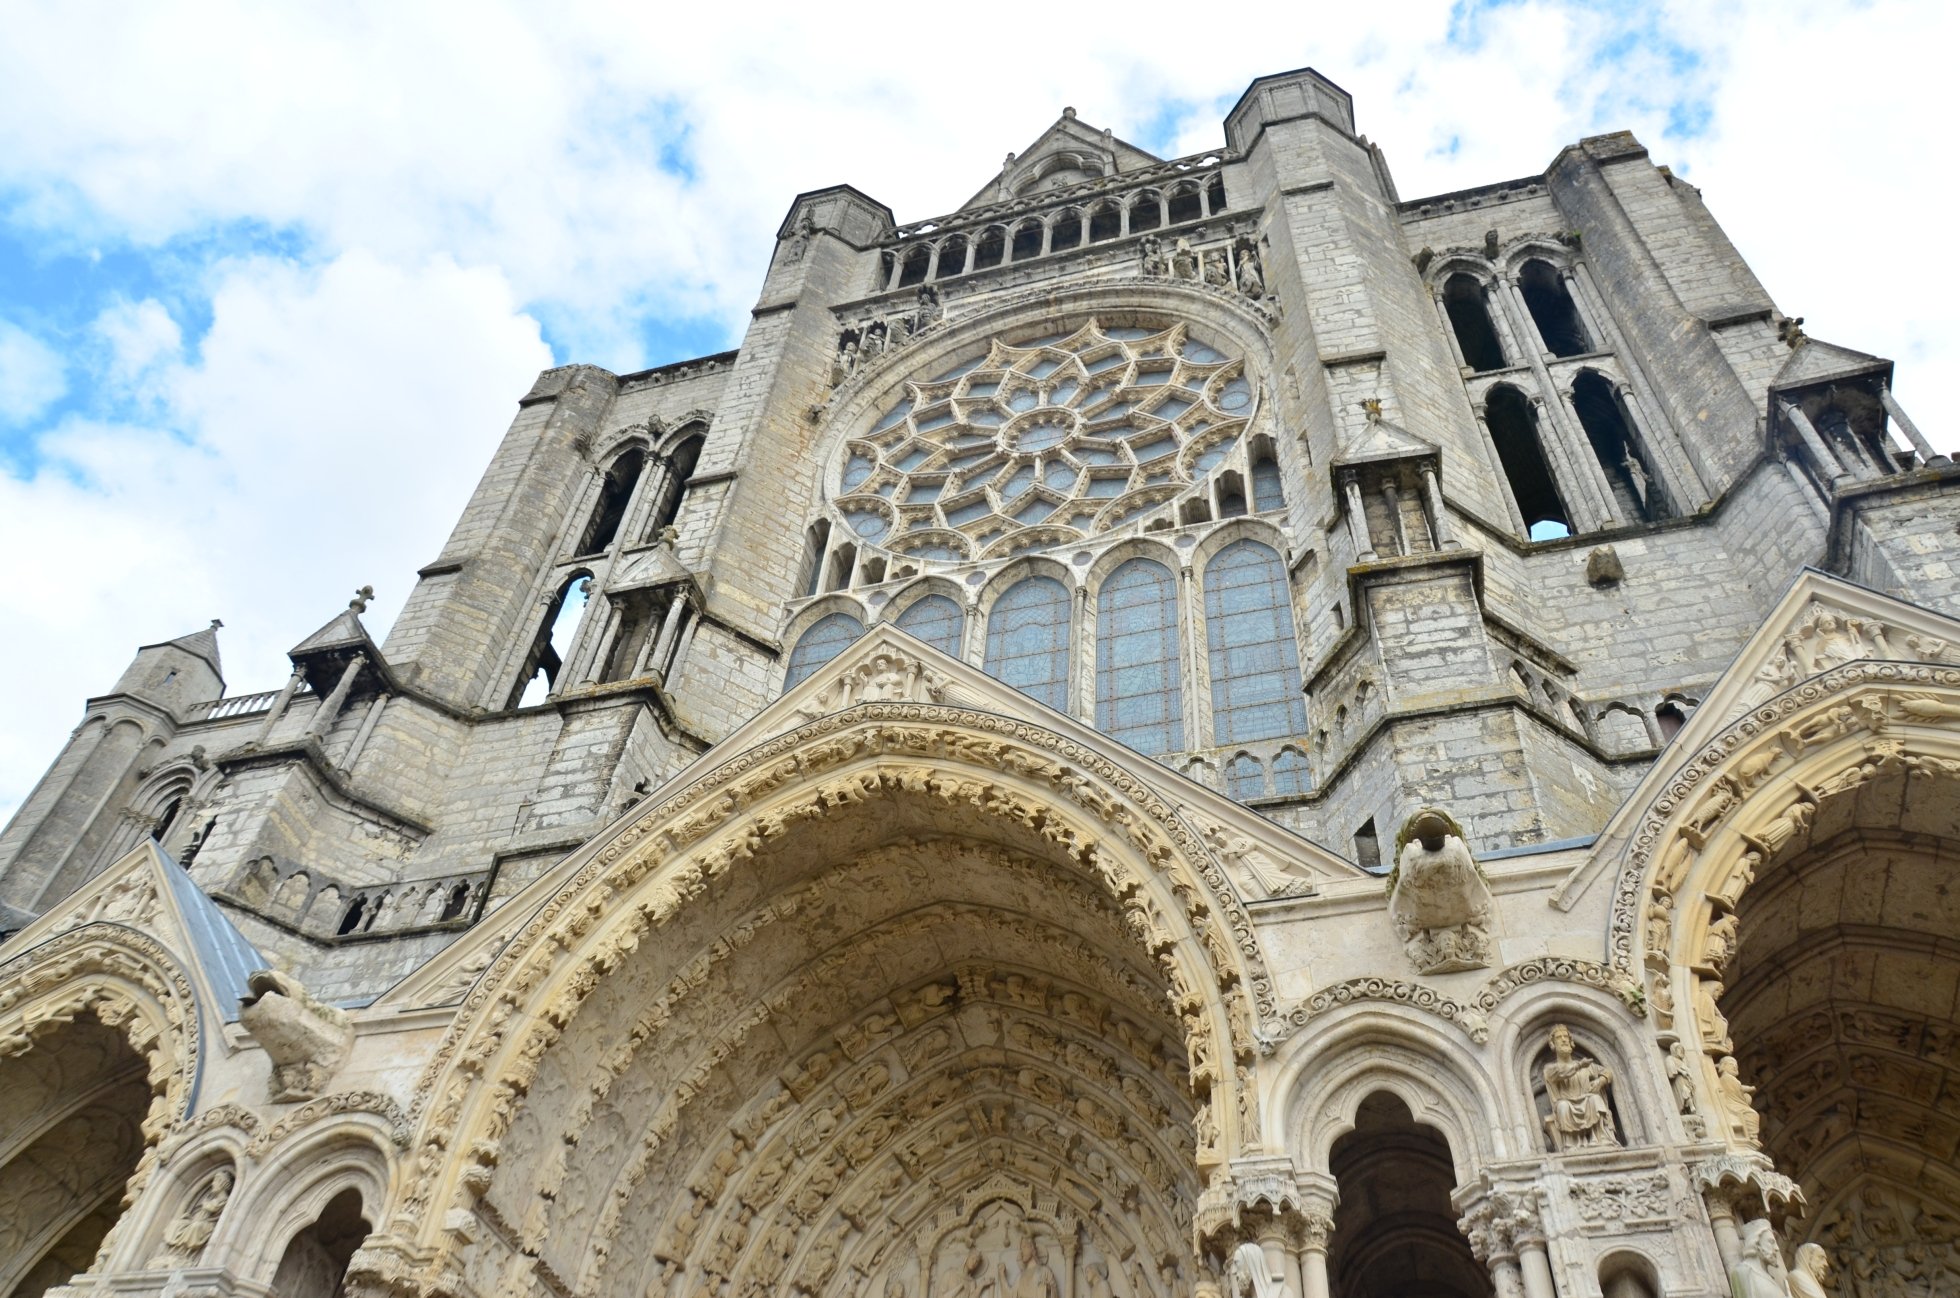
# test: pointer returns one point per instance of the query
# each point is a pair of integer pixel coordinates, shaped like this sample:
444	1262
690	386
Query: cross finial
217	622
1373	406
361	597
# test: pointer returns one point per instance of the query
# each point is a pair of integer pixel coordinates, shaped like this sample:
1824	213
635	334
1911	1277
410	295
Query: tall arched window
1290	775
1255	664
1028	640
1615	447
1267	489
1139	699
1463	300
1552	309
1245	777
615	494
680	467
553	646
1514	428
829	637
937	620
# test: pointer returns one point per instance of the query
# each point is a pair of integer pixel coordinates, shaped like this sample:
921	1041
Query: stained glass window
1028	640
1139	699
936	620
1290	774
1255	665
819	645
1245	777
1267	493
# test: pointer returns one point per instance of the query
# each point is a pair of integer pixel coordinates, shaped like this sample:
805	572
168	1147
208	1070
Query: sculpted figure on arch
1580	1117
1037	1279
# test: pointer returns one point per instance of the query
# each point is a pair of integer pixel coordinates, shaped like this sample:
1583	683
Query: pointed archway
904	986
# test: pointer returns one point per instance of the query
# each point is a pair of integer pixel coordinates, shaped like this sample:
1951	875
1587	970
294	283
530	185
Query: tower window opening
843	566
913	269
1068	231
1146	212
459	896
814	542
351	921
557	634
1231	495
952	257
167	819
1027	241
1614	445
1670	718
992	248
673	491
1107	223
1367	846
1186	205
1469	313
1268	492
1514	429
1553	310
615	494
1215	194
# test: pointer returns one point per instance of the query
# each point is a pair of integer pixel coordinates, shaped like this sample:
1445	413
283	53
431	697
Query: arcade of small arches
937	254
1170	653
1572	431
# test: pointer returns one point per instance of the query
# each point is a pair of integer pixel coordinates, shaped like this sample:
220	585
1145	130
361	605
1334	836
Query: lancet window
1255	662
1028	640
1139	697
827	638
937	620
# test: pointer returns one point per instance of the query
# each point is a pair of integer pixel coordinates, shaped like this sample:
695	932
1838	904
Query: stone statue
1760	1272
1251	282
1680	1078
1437	897
969	1284
1184	262
1744	1122
1580	1117
1252	1275
930	312
1660	928
1154	264
1721	942
183	1243
798	242
1036	1280
305	1038
1095	1281
1813	1268
1637	475
1218	270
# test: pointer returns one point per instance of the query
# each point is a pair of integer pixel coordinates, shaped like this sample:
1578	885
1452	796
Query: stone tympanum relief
184	1242
1575	1088
1437	897
305	1038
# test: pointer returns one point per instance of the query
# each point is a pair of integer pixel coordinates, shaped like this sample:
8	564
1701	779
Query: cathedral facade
1191	727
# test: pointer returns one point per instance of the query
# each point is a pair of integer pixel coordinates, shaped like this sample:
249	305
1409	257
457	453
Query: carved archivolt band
1175	897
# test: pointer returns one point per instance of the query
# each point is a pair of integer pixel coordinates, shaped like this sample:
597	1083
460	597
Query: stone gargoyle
1437	897
305	1038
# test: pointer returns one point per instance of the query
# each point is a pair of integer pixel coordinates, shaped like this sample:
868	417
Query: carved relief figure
1660	928
1744	1122
1252	1275
1580	1116
1813	1269
1760	1272
1251	282
1036	1280
1437	897
184	1242
1154	264
1184	261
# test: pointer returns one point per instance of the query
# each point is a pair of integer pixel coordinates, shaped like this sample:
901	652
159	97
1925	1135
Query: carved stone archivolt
986	902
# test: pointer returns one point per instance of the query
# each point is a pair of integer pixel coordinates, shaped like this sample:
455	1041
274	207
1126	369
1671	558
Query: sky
272	277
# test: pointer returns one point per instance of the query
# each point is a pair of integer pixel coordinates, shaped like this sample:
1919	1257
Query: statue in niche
1437	897
1184	261
1095	1281
1760	1273
1720	950
1744	1122
1154	265
1218	270
184	1242
1037	1279
1251	282
1660	928
798	242
1580	1116
1636	476
1252	1275
1808	1276
1680	1078
930	311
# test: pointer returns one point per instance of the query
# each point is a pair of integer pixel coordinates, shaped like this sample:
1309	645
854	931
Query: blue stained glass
1152	378
1151	450
1023	400
966	367
939	420
1138	697
1255	664
895	414
1128	333
1064	392
1023	479
1236	395
985	418
817	646
936	620
856	470
1028	640
1059	475
1172	408
1106	488
968	512
1042	368
912	459
1211	457
986	389
1290	774
1096	455
1034	511
924	491
1102	363
867	524
1245	777
1197	351
1267	493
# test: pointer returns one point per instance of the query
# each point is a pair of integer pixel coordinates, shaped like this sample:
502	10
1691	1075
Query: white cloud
32	375
438	176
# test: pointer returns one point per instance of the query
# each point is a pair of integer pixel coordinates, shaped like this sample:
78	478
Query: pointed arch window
1255	664
1552	309
1028	640
552	649
615	494
1290	775
1514	429
673	491
1139	698
1268	492
937	620
1469	313
826	639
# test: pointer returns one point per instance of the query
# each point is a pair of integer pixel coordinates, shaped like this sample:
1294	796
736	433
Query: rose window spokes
1044	442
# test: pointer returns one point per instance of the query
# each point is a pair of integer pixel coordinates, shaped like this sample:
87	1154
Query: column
668	628
932	264
1197	719
1589	466
1927	455
368	722
1316	1227
1449	331
331	705
1393	500
1364	548
1826	460
1535	1264
1439	522
1637	420
279	705
1728	1232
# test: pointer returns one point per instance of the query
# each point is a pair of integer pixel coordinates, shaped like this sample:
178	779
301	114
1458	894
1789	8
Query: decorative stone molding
883	677
1625	1201
1746	1181
328	1106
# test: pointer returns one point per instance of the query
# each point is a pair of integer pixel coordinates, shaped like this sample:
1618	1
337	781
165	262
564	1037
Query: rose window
1044	442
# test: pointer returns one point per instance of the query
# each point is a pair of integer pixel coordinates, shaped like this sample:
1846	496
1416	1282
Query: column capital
1746	1184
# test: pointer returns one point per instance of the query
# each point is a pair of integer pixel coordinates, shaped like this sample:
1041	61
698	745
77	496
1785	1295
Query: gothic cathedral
1190	727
